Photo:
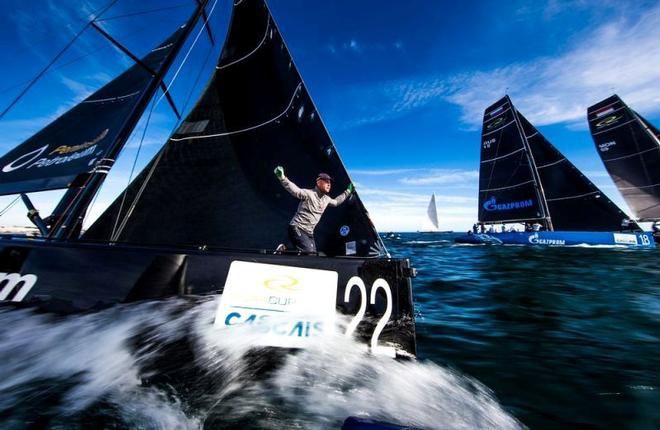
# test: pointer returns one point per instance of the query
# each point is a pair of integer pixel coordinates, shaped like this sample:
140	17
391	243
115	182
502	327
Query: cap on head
324	176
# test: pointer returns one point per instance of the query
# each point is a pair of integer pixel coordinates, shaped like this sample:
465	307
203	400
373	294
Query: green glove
350	188
279	172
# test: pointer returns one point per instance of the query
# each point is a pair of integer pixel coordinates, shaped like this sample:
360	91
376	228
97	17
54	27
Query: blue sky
400	86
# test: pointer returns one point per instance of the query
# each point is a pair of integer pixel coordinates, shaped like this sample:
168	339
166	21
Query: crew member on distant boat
313	203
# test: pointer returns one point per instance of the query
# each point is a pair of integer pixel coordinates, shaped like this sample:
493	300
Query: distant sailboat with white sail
431	224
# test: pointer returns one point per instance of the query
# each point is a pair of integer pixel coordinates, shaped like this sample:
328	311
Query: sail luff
67	224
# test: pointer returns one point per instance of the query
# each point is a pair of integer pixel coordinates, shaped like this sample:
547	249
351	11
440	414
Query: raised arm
342	197
288	185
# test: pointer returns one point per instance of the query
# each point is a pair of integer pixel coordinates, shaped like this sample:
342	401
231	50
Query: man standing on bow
312	205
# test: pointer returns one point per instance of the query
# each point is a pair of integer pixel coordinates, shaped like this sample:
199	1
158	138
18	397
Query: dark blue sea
508	338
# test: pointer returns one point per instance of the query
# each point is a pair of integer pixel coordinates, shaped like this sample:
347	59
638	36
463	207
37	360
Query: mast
535	173
78	204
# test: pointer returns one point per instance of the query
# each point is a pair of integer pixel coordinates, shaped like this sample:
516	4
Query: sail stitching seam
511	186
631	155
229	133
635	188
573	197
263	40
551	164
111	98
503	156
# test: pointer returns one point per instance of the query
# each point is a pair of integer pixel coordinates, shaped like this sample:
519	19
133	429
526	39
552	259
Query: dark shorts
302	240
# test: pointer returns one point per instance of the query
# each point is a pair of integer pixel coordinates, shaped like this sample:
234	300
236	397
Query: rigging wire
130	176
144	12
185	58
9	206
101	47
59	54
115	234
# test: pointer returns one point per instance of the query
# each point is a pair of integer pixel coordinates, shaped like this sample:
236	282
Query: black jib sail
508	187
213	183
63	153
573	201
630	149
524	177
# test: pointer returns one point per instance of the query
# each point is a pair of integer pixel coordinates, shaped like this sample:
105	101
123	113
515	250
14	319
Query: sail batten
214	177
629	147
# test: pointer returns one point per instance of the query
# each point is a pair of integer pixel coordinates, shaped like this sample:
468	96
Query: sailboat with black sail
629	146
205	215
524	179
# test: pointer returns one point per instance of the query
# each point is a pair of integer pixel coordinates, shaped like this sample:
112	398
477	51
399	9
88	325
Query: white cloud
443	177
392	211
619	56
380	172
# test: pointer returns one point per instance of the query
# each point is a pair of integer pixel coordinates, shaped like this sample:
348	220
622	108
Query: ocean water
508	338
567	338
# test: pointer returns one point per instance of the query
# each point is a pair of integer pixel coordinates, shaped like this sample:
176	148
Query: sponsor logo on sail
64	154
65	149
604	147
608	121
344	230
496	122
491	205
604	111
534	239
496	112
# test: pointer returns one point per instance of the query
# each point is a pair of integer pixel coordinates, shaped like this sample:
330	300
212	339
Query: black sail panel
213	183
62	153
629	148
574	202
507	187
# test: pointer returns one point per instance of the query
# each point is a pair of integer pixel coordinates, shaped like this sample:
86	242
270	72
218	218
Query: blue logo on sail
491	205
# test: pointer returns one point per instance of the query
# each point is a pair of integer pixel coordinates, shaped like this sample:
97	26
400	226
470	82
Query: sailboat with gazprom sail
523	178
204	216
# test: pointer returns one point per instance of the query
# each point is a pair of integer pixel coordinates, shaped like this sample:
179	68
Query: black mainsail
509	190
630	149
523	177
212	183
